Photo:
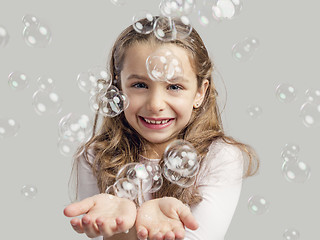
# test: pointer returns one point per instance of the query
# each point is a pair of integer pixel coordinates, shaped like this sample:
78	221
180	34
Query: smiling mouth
159	121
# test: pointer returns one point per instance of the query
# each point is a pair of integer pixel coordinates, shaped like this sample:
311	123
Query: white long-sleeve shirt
219	181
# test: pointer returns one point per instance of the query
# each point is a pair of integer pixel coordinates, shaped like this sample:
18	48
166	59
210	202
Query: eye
175	87
139	85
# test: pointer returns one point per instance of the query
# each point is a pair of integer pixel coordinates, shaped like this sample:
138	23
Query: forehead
137	54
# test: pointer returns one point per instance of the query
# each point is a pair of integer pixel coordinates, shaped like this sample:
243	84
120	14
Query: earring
197	105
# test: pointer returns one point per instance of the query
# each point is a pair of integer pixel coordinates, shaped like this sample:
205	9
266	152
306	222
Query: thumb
78	208
187	218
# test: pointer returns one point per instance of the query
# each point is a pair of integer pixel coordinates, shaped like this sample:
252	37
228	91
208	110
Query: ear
201	92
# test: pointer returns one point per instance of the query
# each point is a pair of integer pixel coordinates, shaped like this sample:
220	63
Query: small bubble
258	205
285	93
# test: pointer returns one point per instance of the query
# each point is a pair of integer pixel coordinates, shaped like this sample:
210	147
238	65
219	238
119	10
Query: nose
156	101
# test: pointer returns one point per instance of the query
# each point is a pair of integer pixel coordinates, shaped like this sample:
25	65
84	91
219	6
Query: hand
164	218
106	215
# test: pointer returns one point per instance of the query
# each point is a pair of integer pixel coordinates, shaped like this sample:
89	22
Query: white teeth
156	122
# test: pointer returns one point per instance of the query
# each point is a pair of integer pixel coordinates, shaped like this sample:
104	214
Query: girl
159	113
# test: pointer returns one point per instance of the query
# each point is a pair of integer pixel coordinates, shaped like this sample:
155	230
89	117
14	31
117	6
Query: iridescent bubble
37	35
154	170
119	2
296	172
18	80
113	103
29	20
244	50
254	111
125	188
144	27
290	152
291	234
168	29
258	205
4	36
75	127
313	96
310	114
286	92
46	103
29	191
204	13
8	127
98	77
176	8
226	9
163	65
45	83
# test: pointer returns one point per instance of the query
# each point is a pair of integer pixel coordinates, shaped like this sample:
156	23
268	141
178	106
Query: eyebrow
136	76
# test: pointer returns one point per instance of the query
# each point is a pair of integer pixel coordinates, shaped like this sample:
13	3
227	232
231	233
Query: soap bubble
180	163
291	234
4	36
204	13
167	29
254	111
18	80
296	172
310	114
66	147
45	83
176	8
154	170
37	35
144	27
258	205
290	152
226	9
30	20
286	92
125	188
75	128
29	191
313	96
8	127
163	65
244	50
119	2
46	103
113	103
85	83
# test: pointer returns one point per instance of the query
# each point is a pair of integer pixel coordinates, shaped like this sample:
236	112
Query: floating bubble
29	191
45	83
4	36
125	188
290	152
75	128
144	27
18	80
119	2
244	50
163	65
46	103
37	35
296	172
258	205
154	170
226	9
286	92
176	8
204	13
113	103
291	234
85	82
310	114
254	111
98	79
30	20
67	148
313	96
8	127
168	29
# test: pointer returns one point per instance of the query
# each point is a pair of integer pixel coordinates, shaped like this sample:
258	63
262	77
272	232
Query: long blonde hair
116	143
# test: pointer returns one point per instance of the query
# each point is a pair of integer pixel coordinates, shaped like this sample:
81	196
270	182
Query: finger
142	233
187	218
89	227
78	208
179	232
158	236
77	226
105	227
169	235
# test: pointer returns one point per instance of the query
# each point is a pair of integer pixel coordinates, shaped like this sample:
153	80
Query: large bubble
46	103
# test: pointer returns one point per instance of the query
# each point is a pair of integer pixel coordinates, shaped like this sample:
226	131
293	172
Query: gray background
83	32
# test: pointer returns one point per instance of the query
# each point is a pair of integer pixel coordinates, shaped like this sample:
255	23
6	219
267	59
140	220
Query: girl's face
157	109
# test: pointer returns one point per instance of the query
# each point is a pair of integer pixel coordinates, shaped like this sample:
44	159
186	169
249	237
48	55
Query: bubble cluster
310	109
258	205
176	8
35	33
254	111
4	36
180	163
163	65
244	50
286	92
73	130
291	234
29	191
8	127
226	9
143	27
18	80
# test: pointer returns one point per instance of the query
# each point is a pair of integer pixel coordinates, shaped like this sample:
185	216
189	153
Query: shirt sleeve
220	186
